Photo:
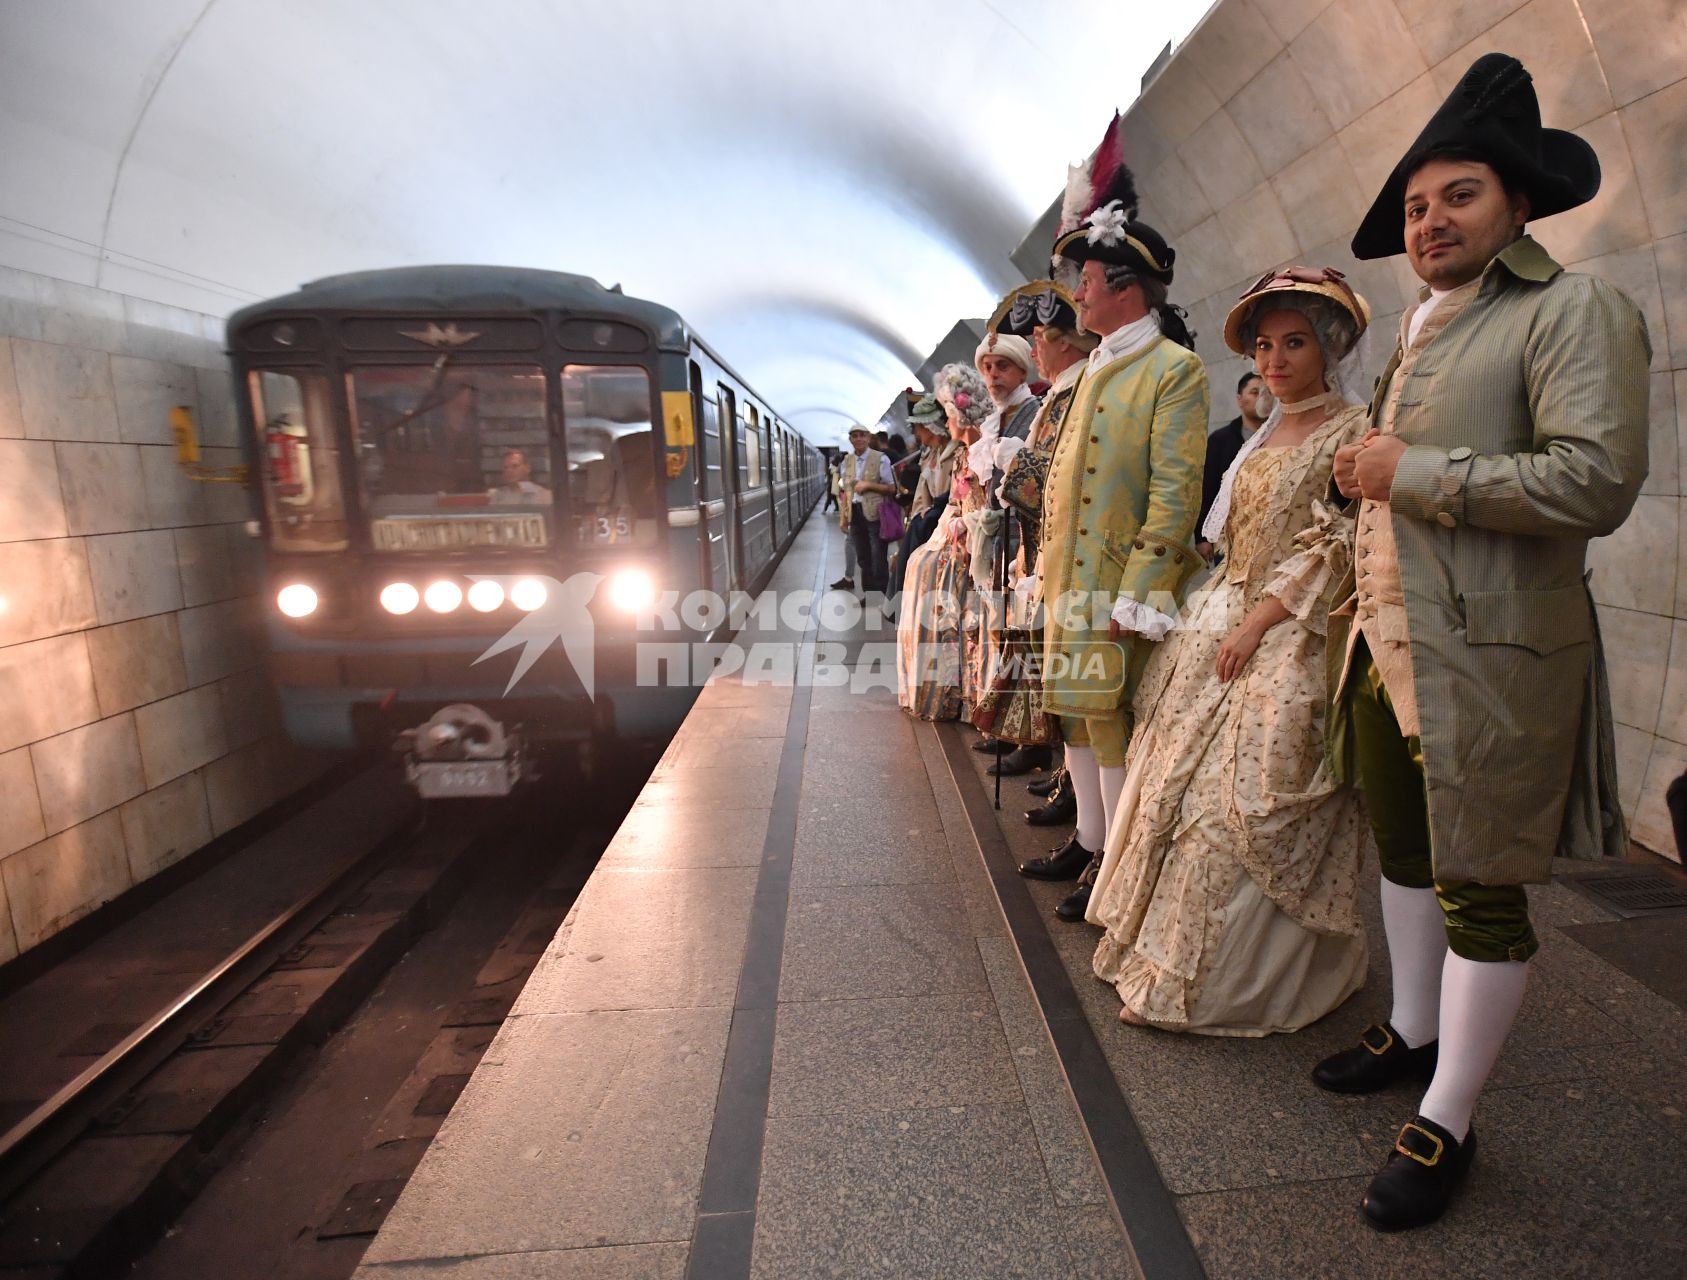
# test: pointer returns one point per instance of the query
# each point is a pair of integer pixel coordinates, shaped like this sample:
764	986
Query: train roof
471	288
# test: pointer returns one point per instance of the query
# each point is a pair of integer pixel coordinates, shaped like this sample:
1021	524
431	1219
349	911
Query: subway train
474	481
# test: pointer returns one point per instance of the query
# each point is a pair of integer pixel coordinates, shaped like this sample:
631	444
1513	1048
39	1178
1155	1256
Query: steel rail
36	1140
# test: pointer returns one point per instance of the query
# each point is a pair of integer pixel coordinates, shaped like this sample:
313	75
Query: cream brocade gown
1228	886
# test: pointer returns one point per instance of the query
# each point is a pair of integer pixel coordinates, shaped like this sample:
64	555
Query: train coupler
461	752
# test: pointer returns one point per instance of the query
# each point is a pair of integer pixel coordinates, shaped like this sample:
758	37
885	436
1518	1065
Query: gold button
1086	502
1079	563
1095	439
1081	531
1446	519
1159	551
1089	470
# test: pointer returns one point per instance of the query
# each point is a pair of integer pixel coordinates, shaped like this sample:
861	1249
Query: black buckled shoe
1065	863
1074	904
1046	787
987	746
843	584
1021	760
1417	1181
1061	809
1381	1058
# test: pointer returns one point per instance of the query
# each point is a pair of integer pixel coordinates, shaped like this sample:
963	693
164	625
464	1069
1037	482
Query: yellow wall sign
184	434
676	419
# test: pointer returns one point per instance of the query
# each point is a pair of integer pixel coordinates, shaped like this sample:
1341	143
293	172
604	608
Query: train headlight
443	596
528	594
485	596
296	600
632	590
400	597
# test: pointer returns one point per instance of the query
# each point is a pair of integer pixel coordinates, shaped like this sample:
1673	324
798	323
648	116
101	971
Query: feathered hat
1492	113
1041	302
1098	217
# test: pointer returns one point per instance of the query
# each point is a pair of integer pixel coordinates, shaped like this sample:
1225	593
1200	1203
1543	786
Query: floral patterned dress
937	603
1229	882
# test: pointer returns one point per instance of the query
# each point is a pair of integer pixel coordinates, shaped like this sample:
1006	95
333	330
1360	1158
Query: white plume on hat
1010	345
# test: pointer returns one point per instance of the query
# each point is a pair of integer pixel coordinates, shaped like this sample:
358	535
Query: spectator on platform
936	473
1224	444
866	478
1229	884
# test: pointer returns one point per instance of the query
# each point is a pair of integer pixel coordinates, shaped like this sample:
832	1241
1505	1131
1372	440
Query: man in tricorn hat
1508	429
1124	485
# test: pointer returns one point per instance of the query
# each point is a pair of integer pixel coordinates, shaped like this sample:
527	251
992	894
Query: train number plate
452	779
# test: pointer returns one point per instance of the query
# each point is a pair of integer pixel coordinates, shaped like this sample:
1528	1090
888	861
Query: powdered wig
960	386
1078	339
1174	320
1332	324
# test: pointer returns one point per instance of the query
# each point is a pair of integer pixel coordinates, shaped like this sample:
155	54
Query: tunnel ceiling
820	190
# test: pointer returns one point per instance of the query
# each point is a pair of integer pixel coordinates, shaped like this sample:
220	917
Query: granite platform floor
1582	1169
784	1033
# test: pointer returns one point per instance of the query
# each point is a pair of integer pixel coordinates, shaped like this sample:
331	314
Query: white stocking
1112	787
1417	948
1479	1002
1086	789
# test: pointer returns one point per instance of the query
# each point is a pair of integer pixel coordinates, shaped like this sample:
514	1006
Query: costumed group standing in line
1318	637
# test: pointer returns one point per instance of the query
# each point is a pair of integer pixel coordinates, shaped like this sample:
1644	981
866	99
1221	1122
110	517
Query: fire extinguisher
288	445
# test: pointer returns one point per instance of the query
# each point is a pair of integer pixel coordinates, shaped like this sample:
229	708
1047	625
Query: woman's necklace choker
1306	406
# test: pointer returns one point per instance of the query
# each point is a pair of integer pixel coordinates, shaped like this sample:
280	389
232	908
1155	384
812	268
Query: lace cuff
1303	581
1148	623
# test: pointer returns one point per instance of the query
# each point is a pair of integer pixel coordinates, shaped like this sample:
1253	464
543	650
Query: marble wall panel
46	587
1634	568
1679	389
226	503
1650	824
1288	18
1439	28
1258	230
1220	160
80	315
20	805
1178	199
1320	196
1177	102
1145	145
1663	475
1278	114
1206	262
1670	257
1550	39
103	491
250	709
239	785
146	391
134	574
1637	650
1231	45
1642	44
1378	139
1634	752
8	935
31	502
63	878
136	662
218	640
11	413
1613	220
166	824
64	392
217	424
87	771
202	554
1635	272
46	688
180	734
1656	126
173	497
1356	54
1672	713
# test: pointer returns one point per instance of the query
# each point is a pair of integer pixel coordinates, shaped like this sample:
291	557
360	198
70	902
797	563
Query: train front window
453	456
606	423
303	496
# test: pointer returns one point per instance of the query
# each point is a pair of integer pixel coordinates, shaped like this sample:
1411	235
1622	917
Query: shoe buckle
1428	1162
1387	1040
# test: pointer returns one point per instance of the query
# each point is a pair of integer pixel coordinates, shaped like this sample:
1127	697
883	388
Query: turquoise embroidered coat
1124	488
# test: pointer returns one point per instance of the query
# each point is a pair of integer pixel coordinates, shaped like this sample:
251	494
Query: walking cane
1001	576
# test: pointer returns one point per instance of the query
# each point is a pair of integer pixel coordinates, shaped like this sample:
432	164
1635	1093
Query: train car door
731	447
711	489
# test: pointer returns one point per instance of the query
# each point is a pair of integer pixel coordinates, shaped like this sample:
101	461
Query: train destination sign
414	533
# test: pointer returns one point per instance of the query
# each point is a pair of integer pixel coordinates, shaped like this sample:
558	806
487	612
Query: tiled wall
1268	134
135	721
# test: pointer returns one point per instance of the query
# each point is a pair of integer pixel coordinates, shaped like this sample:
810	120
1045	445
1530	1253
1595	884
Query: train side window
752	449
611	451
714	416
303	494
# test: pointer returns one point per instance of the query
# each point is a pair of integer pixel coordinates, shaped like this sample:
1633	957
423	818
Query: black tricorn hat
1493	114
1041	302
1120	242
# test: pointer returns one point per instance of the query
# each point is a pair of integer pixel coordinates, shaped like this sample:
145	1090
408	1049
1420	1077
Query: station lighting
632	590
528	594
400	597
296	600
443	596
485	596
